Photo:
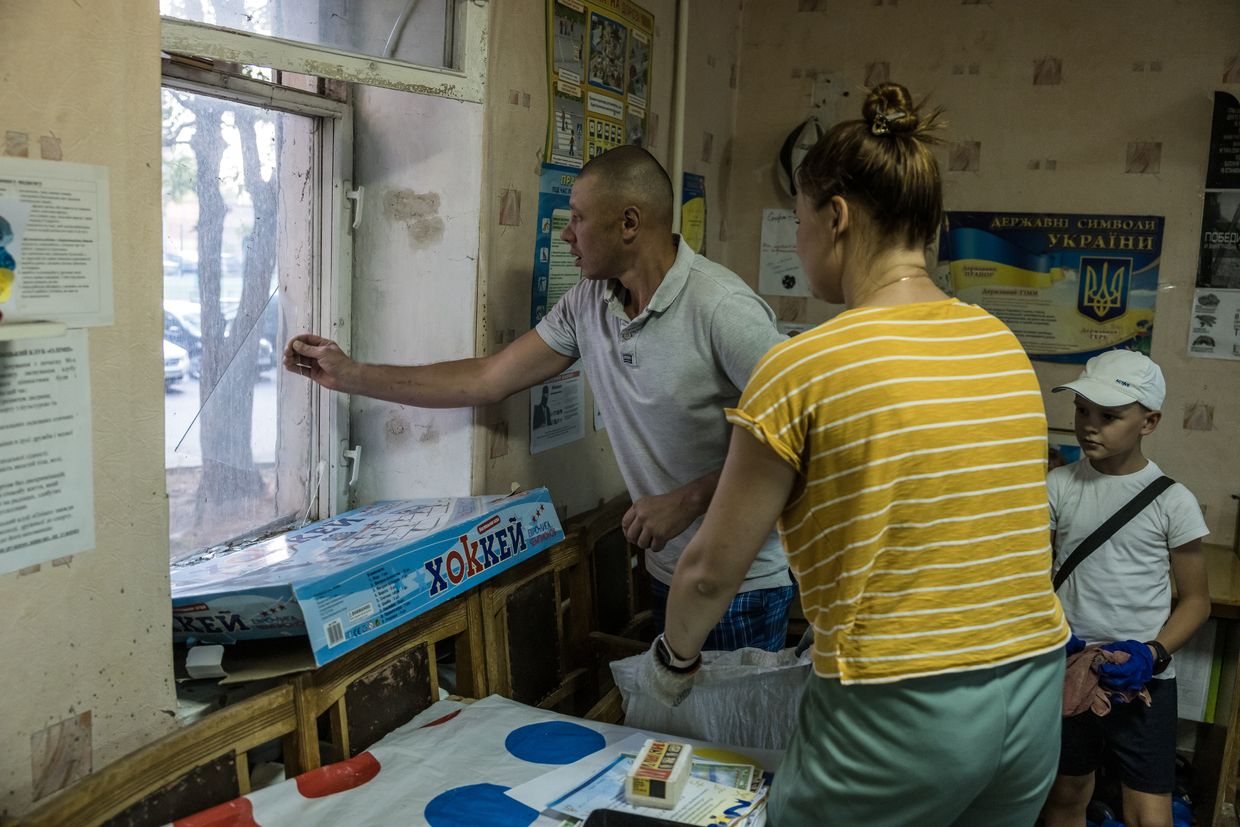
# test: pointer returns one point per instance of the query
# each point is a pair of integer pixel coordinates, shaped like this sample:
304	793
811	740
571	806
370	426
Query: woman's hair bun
889	109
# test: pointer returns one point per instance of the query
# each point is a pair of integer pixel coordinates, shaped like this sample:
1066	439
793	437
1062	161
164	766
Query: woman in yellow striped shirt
901	447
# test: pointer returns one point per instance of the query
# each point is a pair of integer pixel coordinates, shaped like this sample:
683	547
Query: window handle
354	458
358	197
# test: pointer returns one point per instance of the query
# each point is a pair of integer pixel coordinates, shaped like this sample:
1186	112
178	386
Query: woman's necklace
924	274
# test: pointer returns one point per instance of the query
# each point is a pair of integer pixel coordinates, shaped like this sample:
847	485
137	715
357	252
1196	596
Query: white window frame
468	44
333	267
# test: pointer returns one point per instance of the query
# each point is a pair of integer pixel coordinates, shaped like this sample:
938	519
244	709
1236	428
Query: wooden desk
1224	571
1223	567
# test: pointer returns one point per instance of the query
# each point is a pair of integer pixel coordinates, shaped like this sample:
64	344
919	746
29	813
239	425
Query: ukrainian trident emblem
1104	284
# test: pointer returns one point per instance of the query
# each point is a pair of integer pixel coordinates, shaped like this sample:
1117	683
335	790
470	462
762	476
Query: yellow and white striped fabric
918	527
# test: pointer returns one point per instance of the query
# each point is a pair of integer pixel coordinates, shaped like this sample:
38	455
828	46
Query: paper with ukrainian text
47	505
55	243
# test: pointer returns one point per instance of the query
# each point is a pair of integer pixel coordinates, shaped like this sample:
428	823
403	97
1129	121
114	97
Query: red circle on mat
338	777
236	813
442	720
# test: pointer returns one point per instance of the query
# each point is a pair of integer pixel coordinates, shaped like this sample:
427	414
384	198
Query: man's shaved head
629	175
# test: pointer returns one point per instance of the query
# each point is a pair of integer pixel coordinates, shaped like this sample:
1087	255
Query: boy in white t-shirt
1120	595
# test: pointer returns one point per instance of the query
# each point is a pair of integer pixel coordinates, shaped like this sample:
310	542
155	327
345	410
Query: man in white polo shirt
668	340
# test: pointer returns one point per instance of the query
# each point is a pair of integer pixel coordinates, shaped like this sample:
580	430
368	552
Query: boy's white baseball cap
1118	378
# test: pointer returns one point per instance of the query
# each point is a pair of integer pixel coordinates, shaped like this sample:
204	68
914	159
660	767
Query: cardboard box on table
341	582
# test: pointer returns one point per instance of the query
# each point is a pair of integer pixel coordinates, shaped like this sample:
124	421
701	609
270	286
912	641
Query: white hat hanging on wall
798	143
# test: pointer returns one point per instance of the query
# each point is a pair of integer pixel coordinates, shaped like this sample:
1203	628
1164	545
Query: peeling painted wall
415	276
1066	83
87	646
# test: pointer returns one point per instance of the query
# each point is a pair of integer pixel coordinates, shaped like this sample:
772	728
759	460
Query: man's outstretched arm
457	384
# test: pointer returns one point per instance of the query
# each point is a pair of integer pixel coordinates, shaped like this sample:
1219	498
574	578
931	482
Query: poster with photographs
599	62
1214	326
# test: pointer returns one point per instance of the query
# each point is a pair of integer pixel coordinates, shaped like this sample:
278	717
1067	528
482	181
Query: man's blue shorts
757	618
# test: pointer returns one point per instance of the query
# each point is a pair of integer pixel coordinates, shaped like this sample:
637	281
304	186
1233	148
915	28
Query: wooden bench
526	634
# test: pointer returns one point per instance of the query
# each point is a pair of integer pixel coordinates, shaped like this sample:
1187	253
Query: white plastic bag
746	698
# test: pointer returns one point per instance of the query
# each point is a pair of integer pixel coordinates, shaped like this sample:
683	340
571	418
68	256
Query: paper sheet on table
701	802
1194	666
557	783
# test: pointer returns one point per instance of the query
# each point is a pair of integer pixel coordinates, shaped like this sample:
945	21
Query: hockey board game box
344	581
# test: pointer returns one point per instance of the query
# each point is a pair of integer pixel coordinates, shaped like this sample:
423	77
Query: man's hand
670	688
319	359
1133	674
652	521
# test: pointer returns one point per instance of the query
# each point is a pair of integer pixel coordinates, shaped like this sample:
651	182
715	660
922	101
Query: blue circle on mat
478	804
553	742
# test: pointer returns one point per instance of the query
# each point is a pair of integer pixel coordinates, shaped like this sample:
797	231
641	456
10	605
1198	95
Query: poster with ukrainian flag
1069	286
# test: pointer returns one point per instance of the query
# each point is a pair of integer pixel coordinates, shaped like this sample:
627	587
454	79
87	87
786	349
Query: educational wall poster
599	55
1214	327
779	269
1069	286
693	212
555	268
47	495
55	243
557	411
13	217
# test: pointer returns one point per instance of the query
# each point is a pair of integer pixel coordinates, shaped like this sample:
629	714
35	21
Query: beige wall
1143	71
711	79
414	282
94	636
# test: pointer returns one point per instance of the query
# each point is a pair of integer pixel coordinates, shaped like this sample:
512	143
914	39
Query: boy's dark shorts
1142	740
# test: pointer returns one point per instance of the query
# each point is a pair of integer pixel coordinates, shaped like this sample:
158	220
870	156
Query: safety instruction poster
599	56
1214	327
1069	286
47	494
55	243
555	267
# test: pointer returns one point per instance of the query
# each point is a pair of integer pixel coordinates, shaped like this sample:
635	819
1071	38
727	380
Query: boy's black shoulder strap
1117	521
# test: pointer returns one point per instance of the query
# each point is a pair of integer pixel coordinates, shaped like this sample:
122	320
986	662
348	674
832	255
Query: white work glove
806	641
668	686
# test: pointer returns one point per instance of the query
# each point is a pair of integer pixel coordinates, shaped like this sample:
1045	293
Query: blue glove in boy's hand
669	687
1074	645
1132	675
